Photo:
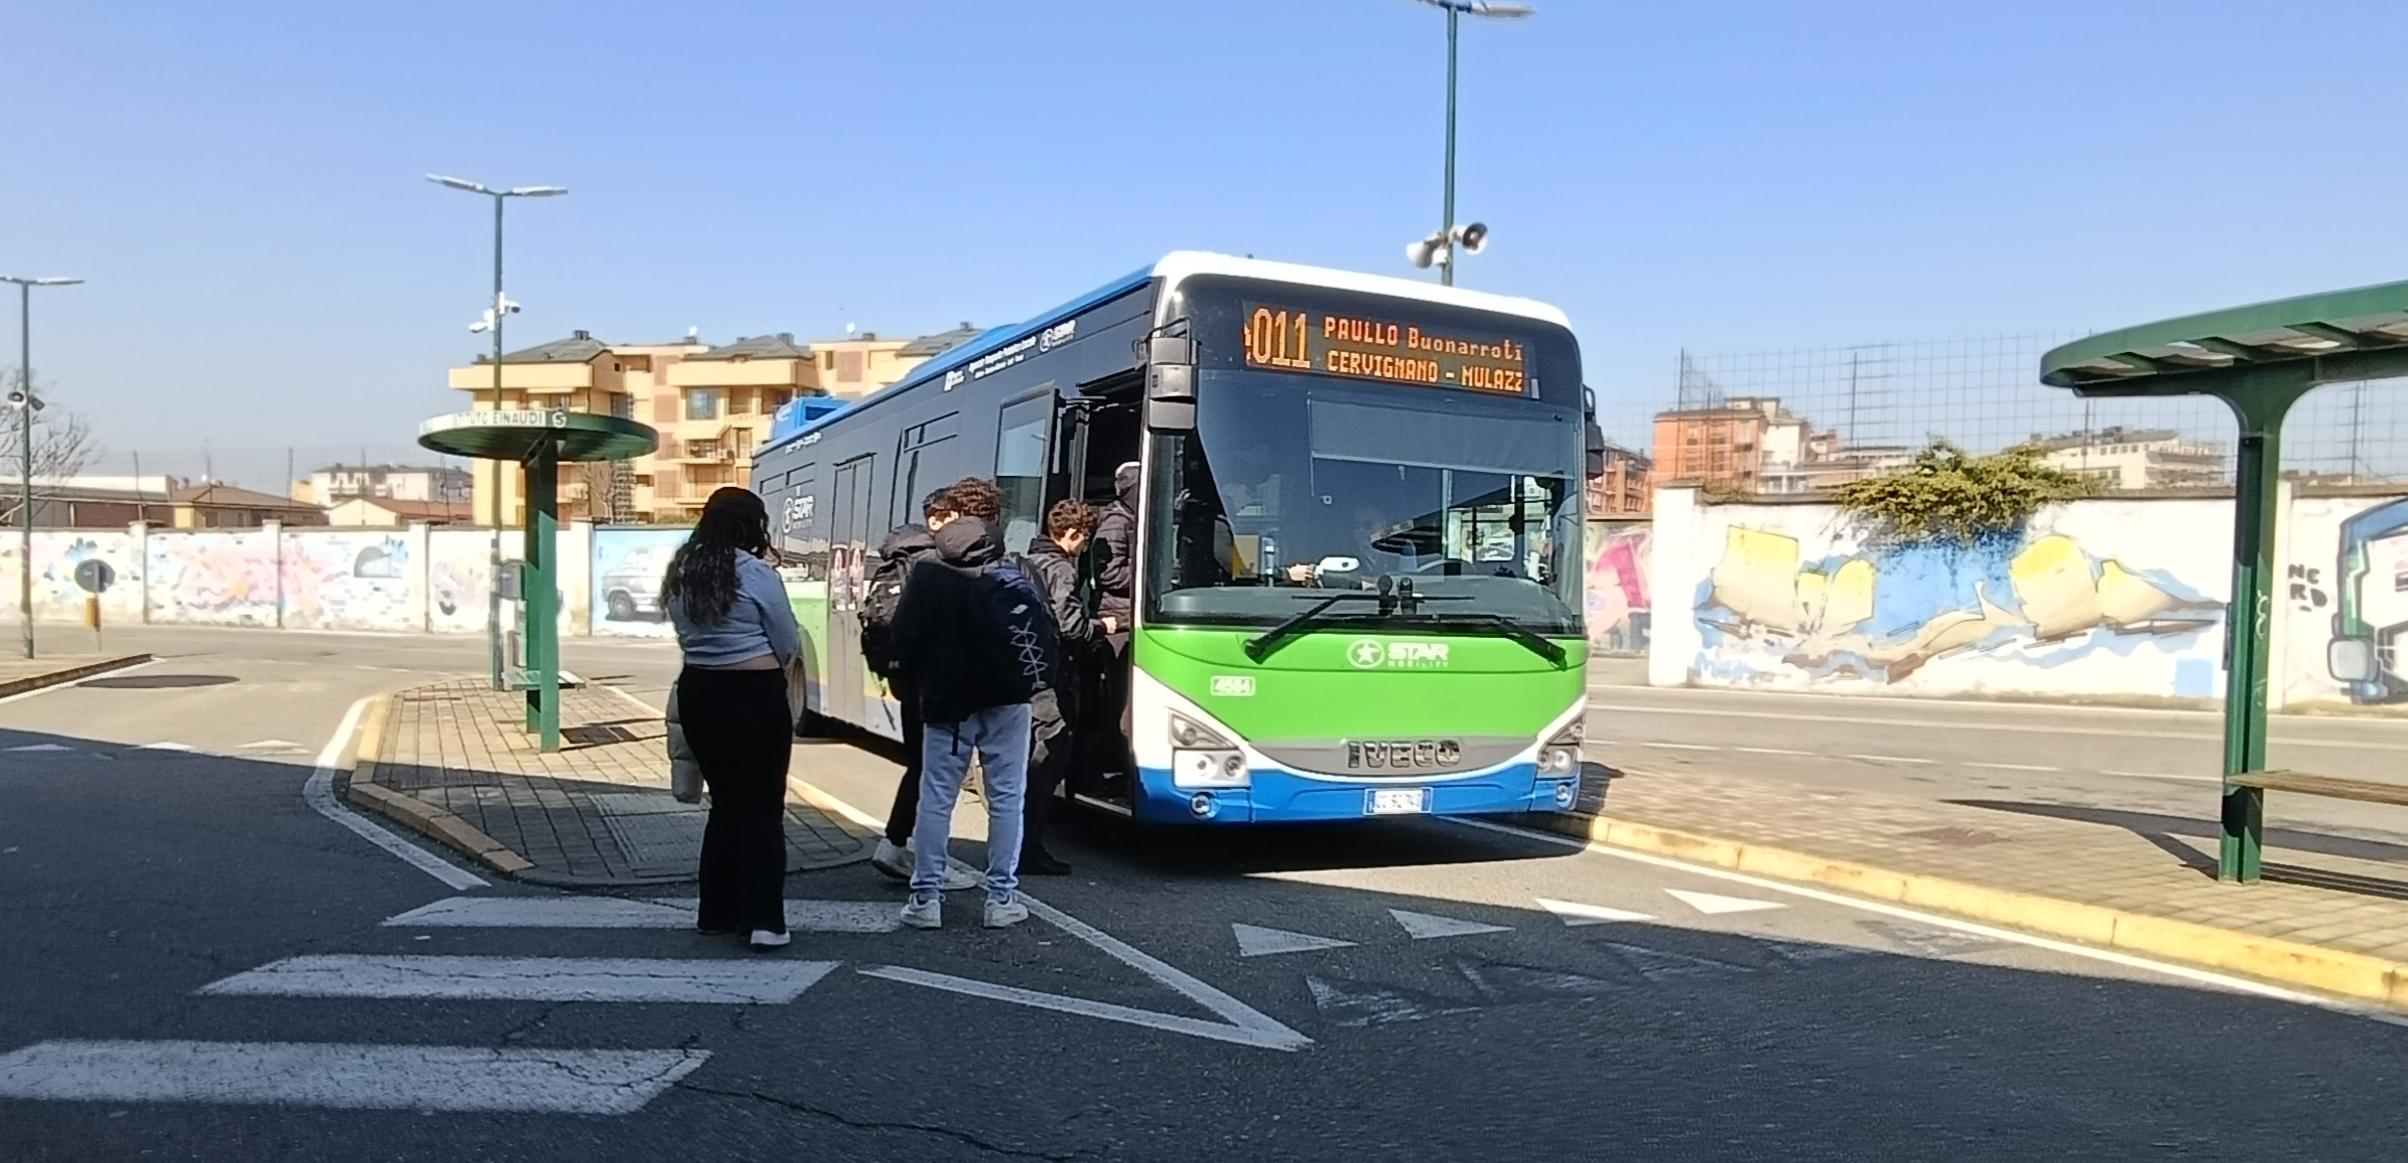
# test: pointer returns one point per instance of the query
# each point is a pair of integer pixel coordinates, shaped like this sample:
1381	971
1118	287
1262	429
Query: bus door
849	530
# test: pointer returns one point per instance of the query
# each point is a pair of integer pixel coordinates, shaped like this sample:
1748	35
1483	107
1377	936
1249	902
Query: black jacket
1057	573
936	629
882	592
1116	549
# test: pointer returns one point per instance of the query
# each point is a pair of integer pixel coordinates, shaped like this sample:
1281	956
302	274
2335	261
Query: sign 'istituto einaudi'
518	418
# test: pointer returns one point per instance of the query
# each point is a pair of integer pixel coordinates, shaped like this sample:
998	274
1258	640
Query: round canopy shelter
2259	359
540	441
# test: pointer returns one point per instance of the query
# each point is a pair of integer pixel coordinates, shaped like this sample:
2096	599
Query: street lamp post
1440	247
26	404
492	321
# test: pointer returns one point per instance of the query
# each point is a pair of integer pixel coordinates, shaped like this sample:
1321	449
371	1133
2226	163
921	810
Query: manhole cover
657	833
153	682
1955	837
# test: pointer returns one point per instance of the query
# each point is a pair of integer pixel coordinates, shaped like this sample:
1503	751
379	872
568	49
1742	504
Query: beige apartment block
581	374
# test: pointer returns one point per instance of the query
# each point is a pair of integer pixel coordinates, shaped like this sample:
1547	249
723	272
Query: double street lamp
1470	238
27	404
492	321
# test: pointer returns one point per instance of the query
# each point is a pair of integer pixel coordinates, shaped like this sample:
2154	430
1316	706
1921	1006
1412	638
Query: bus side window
1020	468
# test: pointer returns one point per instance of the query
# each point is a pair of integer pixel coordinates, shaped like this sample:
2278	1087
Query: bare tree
62	447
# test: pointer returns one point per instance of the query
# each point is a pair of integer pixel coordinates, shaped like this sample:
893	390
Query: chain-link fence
1802	420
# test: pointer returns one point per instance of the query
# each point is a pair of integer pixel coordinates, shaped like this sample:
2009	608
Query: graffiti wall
349	581
1616	587
2342	624
56	556
212	578
627	569
2104	599
459	577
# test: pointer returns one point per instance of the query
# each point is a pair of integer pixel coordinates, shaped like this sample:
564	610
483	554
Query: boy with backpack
904	548
979	636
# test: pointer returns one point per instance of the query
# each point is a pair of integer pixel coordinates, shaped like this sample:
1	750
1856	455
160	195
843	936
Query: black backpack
1008	654
878	601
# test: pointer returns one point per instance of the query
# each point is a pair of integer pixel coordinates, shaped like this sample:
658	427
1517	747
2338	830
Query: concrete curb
2333	971
76	673
450	830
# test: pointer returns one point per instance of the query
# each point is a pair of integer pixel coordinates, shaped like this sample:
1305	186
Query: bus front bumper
1278	797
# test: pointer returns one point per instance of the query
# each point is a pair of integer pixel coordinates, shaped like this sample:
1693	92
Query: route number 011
1277	339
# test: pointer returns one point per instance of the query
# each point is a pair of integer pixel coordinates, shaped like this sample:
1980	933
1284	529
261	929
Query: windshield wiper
1528	638
1262	646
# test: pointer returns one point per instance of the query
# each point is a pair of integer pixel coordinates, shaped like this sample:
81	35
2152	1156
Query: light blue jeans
999	737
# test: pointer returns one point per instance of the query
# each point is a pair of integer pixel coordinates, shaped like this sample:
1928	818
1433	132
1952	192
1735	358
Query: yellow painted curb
2333	971
372	740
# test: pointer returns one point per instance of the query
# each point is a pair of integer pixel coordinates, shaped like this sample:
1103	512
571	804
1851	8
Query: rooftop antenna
693	331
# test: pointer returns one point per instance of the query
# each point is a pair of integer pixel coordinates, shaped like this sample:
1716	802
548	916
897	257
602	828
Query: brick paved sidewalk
2331	914
452	760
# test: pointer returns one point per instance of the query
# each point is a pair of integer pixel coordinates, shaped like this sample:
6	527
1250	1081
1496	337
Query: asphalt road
202	966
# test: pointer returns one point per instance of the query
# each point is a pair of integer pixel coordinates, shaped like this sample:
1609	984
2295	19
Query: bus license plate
1396	801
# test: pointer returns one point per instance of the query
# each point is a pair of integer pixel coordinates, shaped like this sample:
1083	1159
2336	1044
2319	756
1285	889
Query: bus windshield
1464	509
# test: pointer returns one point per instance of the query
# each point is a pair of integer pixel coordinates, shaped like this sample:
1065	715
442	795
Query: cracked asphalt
1466	992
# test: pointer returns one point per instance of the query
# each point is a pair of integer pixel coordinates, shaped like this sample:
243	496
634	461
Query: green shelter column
2249	632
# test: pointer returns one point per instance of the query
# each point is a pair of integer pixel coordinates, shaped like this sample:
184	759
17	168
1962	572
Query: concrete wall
2111	599
417	579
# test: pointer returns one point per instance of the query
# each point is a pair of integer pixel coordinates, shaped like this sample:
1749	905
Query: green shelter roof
2337	335
515	435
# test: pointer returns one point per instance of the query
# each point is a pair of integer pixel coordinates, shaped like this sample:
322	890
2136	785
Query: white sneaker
892	859
960	877
764	940
1005	913
926	912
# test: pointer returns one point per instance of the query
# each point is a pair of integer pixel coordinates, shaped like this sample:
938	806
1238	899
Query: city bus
1358	542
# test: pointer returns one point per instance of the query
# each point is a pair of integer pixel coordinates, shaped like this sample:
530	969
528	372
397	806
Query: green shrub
1948	494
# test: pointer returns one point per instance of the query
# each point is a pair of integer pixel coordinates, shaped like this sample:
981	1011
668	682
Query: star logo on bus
1366	653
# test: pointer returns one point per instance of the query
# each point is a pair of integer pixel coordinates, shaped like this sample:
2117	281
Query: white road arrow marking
165	747
1423	926
1709	903
1572	913
1256	941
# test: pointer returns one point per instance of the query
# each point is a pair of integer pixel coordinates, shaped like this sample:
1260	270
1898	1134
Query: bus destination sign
1363	348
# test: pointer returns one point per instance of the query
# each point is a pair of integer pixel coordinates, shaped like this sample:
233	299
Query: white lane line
550	979
1971	725
2166	775
1769	751
1681	746
165	746
608	912
318	793
1935	920
1425	926
1171	1023
1185	984
43	747
1890	758
347	1077
61	686
2014	767
1256	941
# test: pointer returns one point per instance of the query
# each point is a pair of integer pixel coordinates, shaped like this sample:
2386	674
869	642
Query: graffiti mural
627	569
219	579
2368	651
347	581
2037	613
1616	587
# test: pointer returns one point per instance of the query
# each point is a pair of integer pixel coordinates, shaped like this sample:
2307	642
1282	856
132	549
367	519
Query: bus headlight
1186	732
1209	767
1560	756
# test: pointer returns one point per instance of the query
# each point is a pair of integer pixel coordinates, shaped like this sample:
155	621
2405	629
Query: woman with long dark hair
737	633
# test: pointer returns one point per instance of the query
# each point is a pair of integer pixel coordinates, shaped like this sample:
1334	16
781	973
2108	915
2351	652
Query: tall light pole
492	321
24	401
1440	247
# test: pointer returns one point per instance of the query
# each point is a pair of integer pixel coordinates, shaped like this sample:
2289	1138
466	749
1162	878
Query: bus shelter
540	441
2259	360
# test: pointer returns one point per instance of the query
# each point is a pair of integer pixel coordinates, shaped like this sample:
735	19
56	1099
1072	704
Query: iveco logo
1403	754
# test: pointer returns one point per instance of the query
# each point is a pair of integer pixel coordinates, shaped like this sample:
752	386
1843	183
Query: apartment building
1623	489
392	482
581	374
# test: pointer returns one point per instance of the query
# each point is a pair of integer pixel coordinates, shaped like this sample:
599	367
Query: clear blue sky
242	182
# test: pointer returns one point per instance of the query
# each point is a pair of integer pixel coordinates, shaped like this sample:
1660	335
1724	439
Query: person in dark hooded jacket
904	548
1116	598
1052	562
976	632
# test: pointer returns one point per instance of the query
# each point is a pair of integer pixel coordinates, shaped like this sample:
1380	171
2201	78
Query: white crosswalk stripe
607	912
340	1076
545	979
